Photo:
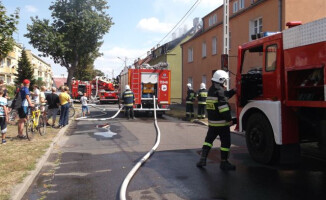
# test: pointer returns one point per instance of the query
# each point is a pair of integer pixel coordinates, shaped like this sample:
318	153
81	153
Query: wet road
91	163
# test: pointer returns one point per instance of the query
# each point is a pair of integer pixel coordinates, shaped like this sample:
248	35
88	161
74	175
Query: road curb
19	190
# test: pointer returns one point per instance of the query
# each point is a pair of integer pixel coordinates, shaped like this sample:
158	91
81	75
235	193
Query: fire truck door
271	71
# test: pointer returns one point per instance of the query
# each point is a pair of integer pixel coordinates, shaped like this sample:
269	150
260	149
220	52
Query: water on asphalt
91	163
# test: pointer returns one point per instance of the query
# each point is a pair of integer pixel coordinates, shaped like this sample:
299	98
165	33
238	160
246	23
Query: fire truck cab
281	96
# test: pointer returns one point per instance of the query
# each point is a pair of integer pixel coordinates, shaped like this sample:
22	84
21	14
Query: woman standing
64	98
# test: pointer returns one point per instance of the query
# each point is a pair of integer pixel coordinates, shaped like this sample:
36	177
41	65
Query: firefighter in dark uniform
191	96
219	120
201	96
128	99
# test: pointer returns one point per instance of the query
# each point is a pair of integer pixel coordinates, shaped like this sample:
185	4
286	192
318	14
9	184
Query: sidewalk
21	160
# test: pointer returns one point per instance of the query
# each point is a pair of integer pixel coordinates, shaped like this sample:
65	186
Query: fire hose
130	175
100	119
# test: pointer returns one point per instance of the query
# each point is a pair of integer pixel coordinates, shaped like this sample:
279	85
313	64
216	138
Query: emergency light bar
262	34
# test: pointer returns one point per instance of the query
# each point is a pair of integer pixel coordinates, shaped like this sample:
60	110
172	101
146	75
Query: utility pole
226	32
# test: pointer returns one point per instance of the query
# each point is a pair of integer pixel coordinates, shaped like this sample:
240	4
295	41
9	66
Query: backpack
17	102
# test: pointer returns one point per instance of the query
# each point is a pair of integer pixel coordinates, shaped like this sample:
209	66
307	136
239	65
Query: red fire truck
105	89
79	88
281	96
147	83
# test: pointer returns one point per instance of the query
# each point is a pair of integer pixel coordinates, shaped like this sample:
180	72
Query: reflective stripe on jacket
128	98
217	106
202	96
191	95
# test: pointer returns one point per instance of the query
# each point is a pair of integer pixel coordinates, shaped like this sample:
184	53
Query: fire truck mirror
225	62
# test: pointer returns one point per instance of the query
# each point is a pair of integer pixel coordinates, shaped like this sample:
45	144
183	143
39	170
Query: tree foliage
75	31
7	28
25	70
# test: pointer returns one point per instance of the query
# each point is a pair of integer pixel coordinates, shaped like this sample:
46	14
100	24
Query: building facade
201	55
42	70
171	53
9	65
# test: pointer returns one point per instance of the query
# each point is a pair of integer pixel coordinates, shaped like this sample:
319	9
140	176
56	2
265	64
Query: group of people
201	95
37	99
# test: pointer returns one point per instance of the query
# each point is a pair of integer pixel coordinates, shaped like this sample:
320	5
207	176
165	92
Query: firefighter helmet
220	76
189	85
202	86
127	87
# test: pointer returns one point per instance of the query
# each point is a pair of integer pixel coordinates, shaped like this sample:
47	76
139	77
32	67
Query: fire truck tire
260	139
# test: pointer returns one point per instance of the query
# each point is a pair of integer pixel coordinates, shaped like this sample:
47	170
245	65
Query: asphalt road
91	163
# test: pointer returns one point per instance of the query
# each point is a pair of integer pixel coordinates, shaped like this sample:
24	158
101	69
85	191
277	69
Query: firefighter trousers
190	110
129	111
225	137
201	110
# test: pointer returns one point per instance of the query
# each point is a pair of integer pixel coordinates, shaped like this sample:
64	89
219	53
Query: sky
138	26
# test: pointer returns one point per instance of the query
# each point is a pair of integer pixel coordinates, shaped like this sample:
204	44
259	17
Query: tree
7	28
75	31
98	72
25	70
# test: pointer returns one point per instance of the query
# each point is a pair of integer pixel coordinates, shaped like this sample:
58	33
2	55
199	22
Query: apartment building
9	65
42	70
201	55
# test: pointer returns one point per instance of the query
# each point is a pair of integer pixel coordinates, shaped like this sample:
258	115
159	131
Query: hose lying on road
99	119
126	181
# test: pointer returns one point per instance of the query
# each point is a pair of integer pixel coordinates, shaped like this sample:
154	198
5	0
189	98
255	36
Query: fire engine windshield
252	61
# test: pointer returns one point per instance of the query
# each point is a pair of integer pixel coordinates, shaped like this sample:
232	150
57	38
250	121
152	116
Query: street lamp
124	60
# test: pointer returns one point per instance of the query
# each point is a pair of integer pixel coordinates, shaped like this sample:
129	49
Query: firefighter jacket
128	98
202	96
191	95
217	106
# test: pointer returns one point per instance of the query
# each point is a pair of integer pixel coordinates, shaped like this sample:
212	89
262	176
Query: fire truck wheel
260	139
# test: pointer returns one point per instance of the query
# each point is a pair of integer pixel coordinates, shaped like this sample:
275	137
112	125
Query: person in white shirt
36	95
83	100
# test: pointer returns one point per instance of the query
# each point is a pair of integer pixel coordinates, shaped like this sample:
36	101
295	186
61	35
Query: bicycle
35	122
71	110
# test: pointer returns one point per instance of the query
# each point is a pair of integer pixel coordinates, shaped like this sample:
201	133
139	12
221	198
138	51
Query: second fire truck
281	96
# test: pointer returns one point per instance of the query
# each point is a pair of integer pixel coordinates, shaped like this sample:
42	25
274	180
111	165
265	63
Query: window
203	79
271	58
204	50
256	26
241	4
8	80
235	6
2	63
214	46
190	80
190	54
252	60
212	20
8	62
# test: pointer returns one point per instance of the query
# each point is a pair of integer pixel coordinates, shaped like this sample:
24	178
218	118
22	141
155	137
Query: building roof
59	81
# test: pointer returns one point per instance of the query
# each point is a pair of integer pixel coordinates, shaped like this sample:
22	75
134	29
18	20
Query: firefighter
201	96
128	99
219	120
191	95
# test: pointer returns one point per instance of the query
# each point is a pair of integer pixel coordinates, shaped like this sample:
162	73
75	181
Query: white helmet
127	87
220	76
202	86
189	85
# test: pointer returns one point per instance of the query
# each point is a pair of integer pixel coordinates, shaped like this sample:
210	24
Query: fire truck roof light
293	24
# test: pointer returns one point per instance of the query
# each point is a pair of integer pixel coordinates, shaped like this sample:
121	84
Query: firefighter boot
225	165
203	158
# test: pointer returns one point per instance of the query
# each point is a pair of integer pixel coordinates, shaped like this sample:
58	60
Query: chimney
174	36
196	22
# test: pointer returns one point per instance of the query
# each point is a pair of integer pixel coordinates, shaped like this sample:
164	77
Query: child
83	100
3	115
